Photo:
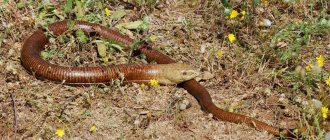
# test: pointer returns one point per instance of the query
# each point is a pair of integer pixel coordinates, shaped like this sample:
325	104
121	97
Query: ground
275	68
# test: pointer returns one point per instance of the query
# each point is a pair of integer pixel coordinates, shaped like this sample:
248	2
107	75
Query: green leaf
44	55
140	2
139	24
81	36
143	56
102	49
94	18
226	3
117	47
255	3
47	54
79	10
68	6
295	86
118	14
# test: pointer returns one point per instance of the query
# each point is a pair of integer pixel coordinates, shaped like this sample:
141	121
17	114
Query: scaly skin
166	74
141	73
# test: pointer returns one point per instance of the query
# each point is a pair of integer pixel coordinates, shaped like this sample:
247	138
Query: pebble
327	136
185	104
317	103
266	22
268	92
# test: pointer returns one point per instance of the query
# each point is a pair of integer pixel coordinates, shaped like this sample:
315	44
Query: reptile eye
184	73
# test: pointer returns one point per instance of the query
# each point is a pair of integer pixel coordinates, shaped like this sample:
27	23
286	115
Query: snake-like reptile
165	71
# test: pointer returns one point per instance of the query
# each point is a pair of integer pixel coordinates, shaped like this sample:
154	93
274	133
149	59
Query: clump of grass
296	36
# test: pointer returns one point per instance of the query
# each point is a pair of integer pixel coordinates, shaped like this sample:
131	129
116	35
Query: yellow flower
143	85
264	1
324	111
320	60
93	128
309	67
60	132
233	14
107	12
231	38
153	82
220	54
328	81
153	38
243	13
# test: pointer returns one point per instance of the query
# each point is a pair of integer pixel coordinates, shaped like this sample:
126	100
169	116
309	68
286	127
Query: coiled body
136	73
140	73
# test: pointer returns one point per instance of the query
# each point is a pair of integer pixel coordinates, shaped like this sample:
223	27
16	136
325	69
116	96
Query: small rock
266	22
11	68
144	112
268	92
327	136
1	62
298	99
282	98
184	105
210	115
317	103
137	122
316	69
287	1
11	52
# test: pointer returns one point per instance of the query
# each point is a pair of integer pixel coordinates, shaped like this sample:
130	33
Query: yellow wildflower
142	85
243	13
60	132
153	82
233	14
264	1
328	81
324	111
309	67
220	54
320	60
107	12
153	38
231	38
93	128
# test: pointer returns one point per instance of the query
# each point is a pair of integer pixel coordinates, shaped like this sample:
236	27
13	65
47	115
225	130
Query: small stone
137	122
266	22
11	52
298	99
144	112
268	92
317	103
184	105
11	68
316	69
203	48
327	136
282	98
210	115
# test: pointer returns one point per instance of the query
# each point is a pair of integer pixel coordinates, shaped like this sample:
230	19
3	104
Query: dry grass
259	75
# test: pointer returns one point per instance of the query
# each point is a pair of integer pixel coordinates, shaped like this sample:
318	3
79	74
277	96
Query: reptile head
176	73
